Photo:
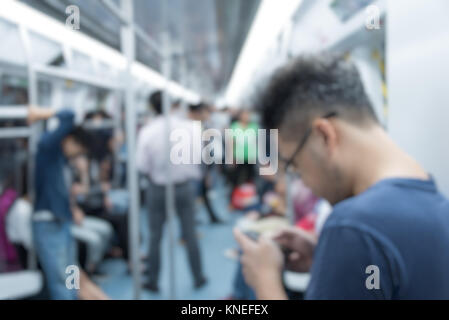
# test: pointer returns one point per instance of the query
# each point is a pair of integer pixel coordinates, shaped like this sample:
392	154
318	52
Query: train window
99	22
11	50
150	21
96	21
346	9
44	88
82	63
105	70
46	52
14	90
147	56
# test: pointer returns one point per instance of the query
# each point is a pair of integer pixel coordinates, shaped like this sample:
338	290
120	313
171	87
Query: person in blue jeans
387	236
52	217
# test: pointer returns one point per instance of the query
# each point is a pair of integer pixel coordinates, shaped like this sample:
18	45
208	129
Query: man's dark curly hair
312	86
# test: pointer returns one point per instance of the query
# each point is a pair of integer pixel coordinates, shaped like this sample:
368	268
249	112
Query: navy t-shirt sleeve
66	124
340	266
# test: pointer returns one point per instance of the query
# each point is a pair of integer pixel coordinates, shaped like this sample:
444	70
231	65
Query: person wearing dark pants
204	188
184	204
201	114
151	160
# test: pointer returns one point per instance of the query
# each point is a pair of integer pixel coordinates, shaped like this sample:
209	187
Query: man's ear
327	133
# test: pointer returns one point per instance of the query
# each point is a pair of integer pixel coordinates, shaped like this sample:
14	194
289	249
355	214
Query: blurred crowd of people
333	151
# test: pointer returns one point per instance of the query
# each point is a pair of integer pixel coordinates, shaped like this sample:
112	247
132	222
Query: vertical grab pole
34	130
128	47
169	188
169	193
184	81
290	209
117	129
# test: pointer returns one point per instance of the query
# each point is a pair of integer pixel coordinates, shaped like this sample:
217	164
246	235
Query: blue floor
213	240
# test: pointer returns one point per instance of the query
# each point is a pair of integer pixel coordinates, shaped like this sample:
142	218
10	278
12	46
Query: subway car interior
143	147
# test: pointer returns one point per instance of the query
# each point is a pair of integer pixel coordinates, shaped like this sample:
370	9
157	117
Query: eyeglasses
289	162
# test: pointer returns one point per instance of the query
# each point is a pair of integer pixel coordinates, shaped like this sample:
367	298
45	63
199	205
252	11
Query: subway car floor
213	239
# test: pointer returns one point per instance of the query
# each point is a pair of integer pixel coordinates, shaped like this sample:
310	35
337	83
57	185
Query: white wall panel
418	81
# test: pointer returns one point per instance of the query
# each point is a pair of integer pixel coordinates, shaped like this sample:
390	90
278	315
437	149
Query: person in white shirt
152	160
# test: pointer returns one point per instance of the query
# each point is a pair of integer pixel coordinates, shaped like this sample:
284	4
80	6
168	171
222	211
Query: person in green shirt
244	133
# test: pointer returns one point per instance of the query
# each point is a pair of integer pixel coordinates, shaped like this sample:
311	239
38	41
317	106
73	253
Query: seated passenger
96	233
95	216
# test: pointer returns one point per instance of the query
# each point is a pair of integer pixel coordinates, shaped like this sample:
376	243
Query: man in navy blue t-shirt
52	218
388	234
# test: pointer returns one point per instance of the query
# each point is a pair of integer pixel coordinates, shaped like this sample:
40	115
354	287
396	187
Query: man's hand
301	244
262	266
78	216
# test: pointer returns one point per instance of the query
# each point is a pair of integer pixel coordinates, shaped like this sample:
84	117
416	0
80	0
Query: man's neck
383	160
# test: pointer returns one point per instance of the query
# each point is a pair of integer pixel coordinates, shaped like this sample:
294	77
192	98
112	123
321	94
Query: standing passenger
200	112
244	133
52	220
152	161
387	236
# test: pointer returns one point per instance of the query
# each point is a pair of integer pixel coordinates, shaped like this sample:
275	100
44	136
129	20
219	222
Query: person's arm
77	214
66	123
272	289
146	136
36	114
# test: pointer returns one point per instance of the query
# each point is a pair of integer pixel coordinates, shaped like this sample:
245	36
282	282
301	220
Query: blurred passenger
244	133
200	112
389	224
220	119
153	161
102	145
52	219
95	233
96	213
177	109
9	258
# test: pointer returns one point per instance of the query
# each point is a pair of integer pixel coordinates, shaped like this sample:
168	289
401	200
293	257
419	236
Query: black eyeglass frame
289	162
